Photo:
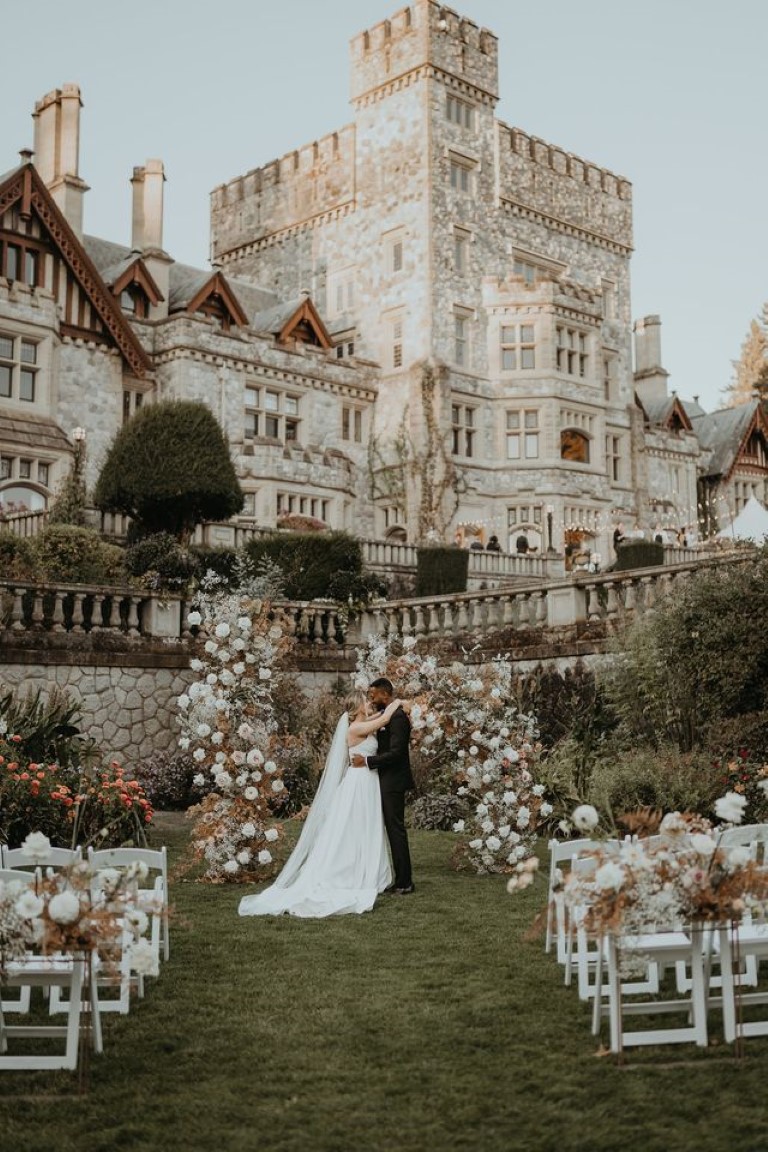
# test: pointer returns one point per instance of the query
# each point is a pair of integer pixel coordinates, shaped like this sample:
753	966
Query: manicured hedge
310	561
441	570
639	554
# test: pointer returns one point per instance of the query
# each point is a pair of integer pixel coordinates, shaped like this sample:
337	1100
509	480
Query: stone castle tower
432	233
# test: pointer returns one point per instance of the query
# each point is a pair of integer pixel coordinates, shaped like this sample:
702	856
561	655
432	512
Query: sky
667	93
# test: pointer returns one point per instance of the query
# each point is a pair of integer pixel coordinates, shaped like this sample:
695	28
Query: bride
340	862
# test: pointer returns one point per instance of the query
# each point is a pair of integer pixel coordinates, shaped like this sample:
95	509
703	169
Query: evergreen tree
69	503
751	365
169	468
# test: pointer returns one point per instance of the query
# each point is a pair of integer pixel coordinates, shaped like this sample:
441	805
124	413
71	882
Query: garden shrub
161	563
220	560
166	778
18	560
75	555
441	570
309	561
438	812
663	778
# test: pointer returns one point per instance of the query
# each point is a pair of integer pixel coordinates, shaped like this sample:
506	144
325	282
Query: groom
394	767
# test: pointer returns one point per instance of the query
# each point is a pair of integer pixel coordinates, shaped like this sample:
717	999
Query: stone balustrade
27	608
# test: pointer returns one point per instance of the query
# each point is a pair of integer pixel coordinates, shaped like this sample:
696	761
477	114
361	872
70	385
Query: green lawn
428	1024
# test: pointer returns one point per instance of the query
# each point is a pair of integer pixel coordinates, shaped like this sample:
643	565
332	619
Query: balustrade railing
81	608
600	600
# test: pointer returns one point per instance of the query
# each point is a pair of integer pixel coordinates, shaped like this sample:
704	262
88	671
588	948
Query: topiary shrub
77	556
638	554
441	570
310	561
169	468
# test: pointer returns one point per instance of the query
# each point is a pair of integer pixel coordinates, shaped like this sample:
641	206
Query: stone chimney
147	226
57	150
650	377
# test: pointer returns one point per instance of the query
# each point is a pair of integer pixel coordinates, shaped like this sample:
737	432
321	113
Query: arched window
574	445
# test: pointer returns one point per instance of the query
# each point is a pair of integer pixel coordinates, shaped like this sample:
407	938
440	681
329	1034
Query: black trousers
393	808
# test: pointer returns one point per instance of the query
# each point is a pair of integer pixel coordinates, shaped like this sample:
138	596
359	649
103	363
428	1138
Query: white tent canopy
750	524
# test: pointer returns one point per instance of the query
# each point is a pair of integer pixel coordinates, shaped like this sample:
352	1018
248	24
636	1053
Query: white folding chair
752	836
747	941
561	853
665	949
153	899
23	880
52	973
56	858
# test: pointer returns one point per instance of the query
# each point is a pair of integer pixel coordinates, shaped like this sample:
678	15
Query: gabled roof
132	270
282	320
25	187
723	434
667	412
188	294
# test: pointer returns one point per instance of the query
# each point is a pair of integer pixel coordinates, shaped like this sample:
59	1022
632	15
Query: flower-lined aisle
475	744
680	887
227	720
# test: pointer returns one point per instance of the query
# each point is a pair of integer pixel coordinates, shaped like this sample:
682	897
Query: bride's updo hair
353	703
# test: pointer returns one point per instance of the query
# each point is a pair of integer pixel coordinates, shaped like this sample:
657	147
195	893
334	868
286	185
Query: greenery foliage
161	562
166	778
311	562
47	727
697	660
441	570
77	555
169	468
18	559
69	503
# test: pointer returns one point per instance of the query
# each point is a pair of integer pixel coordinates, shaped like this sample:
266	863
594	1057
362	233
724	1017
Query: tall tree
751	365
169	468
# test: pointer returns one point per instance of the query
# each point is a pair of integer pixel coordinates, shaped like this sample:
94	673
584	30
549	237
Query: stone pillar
147	227
650	377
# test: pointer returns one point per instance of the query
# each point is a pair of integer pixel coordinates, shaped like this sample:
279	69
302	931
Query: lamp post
550	510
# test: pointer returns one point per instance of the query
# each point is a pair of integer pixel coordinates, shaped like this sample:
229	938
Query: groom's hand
358	761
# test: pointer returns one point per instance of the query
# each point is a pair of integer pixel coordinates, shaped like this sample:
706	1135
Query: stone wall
127	707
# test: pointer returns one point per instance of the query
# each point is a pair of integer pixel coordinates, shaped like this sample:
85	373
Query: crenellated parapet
566	190
423	34
308	182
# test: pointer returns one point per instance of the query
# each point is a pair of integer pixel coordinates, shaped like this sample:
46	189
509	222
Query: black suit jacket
393	759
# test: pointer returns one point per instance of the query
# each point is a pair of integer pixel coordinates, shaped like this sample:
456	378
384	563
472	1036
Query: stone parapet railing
79	609
584	599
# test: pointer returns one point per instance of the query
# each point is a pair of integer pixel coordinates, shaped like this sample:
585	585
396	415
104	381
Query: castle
419	325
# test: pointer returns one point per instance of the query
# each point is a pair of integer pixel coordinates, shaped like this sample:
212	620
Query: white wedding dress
340	863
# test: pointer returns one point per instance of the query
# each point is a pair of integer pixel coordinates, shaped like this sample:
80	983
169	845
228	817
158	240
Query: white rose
475	845
255	758
271	834
198	780
270	766
277	786
64	908
138	920
265	673
238	668
203	730
183	702
730	807
609	876
222	630
194	619
244	623
223	780
265	857
28	906
231	867
493	843
546	809
211	646
196	665
36	847
244	856
251	793
585	818
199	755
143	958
248	830
459	826
238	757
702	844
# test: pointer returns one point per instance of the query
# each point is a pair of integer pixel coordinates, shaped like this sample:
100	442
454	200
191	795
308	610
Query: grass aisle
429	1024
